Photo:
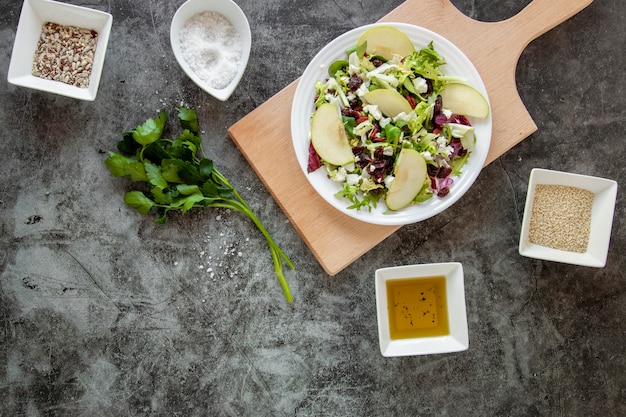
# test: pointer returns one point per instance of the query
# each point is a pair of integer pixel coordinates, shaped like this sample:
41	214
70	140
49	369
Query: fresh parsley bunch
175	174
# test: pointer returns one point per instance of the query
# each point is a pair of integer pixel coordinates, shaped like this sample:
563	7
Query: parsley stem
241	206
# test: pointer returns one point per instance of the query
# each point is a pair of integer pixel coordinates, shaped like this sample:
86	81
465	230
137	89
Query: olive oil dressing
417	307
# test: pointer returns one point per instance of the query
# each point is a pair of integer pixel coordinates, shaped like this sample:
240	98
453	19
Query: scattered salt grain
212	48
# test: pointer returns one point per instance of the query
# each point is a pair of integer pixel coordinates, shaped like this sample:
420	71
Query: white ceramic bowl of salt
211	41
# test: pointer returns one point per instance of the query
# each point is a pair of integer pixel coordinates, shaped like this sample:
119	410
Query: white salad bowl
231	11
34	14
602	211
303	106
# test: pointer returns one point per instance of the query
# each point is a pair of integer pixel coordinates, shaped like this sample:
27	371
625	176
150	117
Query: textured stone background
104	313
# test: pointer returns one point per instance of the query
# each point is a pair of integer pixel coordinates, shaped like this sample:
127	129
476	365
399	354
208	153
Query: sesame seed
561	217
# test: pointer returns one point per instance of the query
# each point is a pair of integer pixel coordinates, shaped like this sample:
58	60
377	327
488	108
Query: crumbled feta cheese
388	180
427	156
363	89
405	117
373	110
447	113
388	151
352	179
420	84
339	174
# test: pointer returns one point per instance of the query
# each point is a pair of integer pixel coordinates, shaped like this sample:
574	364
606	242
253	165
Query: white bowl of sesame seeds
568	218
211	41
59	48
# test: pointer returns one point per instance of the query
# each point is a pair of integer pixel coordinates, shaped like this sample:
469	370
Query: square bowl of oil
421	309
59	48
568	218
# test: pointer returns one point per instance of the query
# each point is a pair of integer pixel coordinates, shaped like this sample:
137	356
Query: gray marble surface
104	313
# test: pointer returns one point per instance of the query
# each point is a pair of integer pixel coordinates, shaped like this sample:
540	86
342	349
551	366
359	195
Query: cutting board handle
539	16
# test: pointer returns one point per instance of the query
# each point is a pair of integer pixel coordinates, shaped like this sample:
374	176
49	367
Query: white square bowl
34	14
233	13
458	337
602	210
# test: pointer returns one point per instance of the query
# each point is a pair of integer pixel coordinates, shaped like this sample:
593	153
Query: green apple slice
386	41
410	174
390	102
329	137
461	98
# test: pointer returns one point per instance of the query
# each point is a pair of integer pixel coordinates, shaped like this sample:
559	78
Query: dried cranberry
355	82
444	172
350	113
443	192
412	101
363	158
373	132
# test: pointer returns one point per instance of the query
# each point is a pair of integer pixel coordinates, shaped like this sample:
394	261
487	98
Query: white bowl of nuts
59	48
568	218
211	41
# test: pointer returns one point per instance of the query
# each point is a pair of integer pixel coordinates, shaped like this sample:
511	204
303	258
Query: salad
388	102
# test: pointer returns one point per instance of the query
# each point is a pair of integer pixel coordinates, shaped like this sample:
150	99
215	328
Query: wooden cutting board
336	239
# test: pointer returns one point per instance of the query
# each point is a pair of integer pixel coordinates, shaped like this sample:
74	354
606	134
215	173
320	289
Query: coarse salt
212	48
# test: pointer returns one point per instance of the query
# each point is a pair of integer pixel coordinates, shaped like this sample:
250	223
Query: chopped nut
65	54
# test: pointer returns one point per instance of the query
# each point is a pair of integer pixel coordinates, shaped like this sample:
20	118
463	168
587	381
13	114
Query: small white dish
34	14
303	106
458	337
231	11
603	207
